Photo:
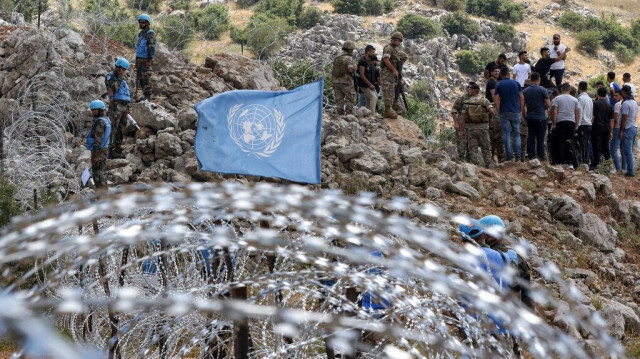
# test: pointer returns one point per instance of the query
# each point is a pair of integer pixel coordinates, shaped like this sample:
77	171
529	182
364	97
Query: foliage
107	18
309	17
213	20
420	90
571	20
9	207
296	74
589	41
265	34
415	26
423	115
355	7
179	5
284	9
144	5
389	5
373	7
329	98
502	10
624	54
488	52
460	23
175	32
454	5
469	61
505	32
246	3
600	78
28	8
446	135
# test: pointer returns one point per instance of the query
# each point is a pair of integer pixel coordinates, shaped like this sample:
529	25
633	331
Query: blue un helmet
120	62
97	105
493	224
471	231
144	17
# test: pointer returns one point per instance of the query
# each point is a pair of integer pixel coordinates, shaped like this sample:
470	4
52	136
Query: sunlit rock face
215	270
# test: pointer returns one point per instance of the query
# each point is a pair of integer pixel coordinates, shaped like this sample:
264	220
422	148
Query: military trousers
99	167
143	76
495	133
345	95
478	137
118	116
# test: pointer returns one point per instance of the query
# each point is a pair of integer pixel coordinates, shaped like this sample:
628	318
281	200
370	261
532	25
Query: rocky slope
583	222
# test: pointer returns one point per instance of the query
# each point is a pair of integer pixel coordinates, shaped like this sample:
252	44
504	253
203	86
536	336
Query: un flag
262	133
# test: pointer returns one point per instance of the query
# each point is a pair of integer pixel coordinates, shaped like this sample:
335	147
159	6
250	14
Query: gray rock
524	197
523	210
566	210
433	193
371	163
631	319
634	212
589	190
151	115
568	239
242	72
602	185
135	162
594	231
417	174
187	119
498	197
534	163
412	155
120	175
562	319
348	153
167	145
463	189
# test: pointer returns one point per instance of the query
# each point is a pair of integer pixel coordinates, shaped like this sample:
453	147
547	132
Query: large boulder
167	145
242	72
566	210
151	115
594	231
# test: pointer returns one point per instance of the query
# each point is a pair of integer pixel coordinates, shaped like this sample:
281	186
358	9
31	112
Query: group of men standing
106	135
367	79
523	114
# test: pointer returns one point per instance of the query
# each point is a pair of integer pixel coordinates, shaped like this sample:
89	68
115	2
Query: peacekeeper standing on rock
145	51
342	74
98	142
476	115
119	105
389	74
456	115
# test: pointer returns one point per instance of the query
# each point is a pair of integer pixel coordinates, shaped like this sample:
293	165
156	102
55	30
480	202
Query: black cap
474	86
626	89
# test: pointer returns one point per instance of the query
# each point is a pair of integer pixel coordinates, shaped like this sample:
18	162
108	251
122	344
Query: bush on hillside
389	5
265	35
423	115
212	21
454	5
9	207
502	10
144	5
373	7
309	17
355	7
571	20
415	26
179	5
175	32
469	61
460	23
107	18
488	52
421	90
505	32
246	3
600	78
28	8
296	74
614	33
624	54
589	41
285	9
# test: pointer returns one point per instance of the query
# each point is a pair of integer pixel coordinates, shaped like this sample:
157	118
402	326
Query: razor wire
298	255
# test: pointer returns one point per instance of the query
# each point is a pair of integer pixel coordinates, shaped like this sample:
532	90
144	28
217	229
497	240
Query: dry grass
239	17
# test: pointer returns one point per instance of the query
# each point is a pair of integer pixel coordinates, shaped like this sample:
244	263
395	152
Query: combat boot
388	113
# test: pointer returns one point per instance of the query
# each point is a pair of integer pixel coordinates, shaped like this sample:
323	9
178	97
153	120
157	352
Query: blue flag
262	133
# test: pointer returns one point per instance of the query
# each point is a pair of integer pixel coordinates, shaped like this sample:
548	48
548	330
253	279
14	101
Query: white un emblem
256	129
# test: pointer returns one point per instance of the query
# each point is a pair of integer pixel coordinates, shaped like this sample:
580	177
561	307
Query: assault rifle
400	88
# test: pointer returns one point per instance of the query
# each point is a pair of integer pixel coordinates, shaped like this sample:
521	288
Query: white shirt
616	109
559	65
633	88
586	109
522	72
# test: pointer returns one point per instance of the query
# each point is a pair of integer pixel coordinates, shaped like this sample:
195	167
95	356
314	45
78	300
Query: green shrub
373	7
420	90
212	21
239	36
600	78
614	33
265	35
284	9
309	17
423	115
502	10
505	32
9	207
246	3
488	52
179	5
415	26
589	41
572	20
355	7
454	5
144	5
446	135
28	8
296	74
107	18
469	61
624	54
459	23
175	32
389	5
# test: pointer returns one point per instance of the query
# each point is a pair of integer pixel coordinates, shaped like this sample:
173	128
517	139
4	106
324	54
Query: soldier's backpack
476	113
339	68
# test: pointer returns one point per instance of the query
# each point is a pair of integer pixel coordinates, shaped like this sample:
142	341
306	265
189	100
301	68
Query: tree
415	26
355	7
213	20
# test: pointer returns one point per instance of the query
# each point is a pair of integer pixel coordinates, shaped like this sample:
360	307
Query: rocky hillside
583	222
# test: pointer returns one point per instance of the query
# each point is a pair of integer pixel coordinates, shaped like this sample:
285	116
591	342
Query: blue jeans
628	138
360	99
614	146
535	139
510	123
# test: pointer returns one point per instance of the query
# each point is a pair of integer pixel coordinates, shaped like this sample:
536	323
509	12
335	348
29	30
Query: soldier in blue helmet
145	51
98	142
119	105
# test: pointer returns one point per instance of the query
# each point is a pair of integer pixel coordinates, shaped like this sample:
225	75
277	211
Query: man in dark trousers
536	99
543	66
601	130
565	117
509	103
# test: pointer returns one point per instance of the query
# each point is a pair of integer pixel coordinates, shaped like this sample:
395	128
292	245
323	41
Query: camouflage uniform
99	156
118	111
497	146
388	84
478	132
461	143
524	132
343	87
143	65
